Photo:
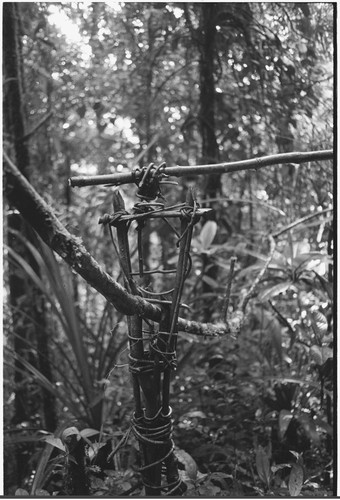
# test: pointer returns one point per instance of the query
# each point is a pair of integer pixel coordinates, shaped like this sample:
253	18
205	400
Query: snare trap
152	342
152	355
152	346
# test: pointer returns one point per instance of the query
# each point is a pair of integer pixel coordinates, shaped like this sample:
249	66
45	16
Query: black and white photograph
169	271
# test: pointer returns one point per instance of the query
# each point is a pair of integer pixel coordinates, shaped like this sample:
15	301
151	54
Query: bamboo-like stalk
186	231
218	168
134	322
141	380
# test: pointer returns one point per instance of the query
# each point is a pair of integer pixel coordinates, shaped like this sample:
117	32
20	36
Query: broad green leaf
210	449
319	323
325	426
302	47
210	281
20	492
221	475
246	251
40	473
296	455
313	261
208	234
41	493
93	450
285	417
88	432
300	247
272	291
209	490
56	442
275	330
320	354
289	249
275	468
316	354
279	260
70	431
310	428
188	462
250	270
327	353
196	414
295	480
286	61
125	485
263	465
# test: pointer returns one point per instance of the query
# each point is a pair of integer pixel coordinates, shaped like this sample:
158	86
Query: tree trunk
27	303
210	152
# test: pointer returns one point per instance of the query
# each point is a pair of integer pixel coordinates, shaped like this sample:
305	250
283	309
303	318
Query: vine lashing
152	356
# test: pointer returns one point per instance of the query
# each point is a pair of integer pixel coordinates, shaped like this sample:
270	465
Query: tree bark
15	124
26	302
210	152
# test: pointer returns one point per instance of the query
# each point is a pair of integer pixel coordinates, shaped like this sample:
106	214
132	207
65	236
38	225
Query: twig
282	318
228	289
244	202
185	241
252	289
300	221
144	151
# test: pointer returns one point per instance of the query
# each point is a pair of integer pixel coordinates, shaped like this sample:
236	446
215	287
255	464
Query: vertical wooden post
144	380
186	232
152	424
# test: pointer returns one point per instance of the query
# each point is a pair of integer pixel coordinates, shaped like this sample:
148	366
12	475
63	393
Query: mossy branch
40	216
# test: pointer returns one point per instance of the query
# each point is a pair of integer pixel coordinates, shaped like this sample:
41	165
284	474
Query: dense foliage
107	87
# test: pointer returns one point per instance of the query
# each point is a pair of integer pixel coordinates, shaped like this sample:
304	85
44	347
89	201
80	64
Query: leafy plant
77	387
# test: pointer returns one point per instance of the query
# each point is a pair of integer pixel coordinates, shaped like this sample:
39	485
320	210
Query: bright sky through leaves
69	29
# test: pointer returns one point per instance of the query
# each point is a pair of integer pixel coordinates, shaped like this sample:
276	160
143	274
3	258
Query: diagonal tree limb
301	221
39	215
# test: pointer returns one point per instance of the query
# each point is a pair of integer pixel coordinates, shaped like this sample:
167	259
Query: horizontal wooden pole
218	168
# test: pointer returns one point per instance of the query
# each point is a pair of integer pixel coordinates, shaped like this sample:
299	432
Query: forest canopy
136	88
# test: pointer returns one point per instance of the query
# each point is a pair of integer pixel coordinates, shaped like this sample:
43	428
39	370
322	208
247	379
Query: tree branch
301	221
218	168
39	215
251	292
